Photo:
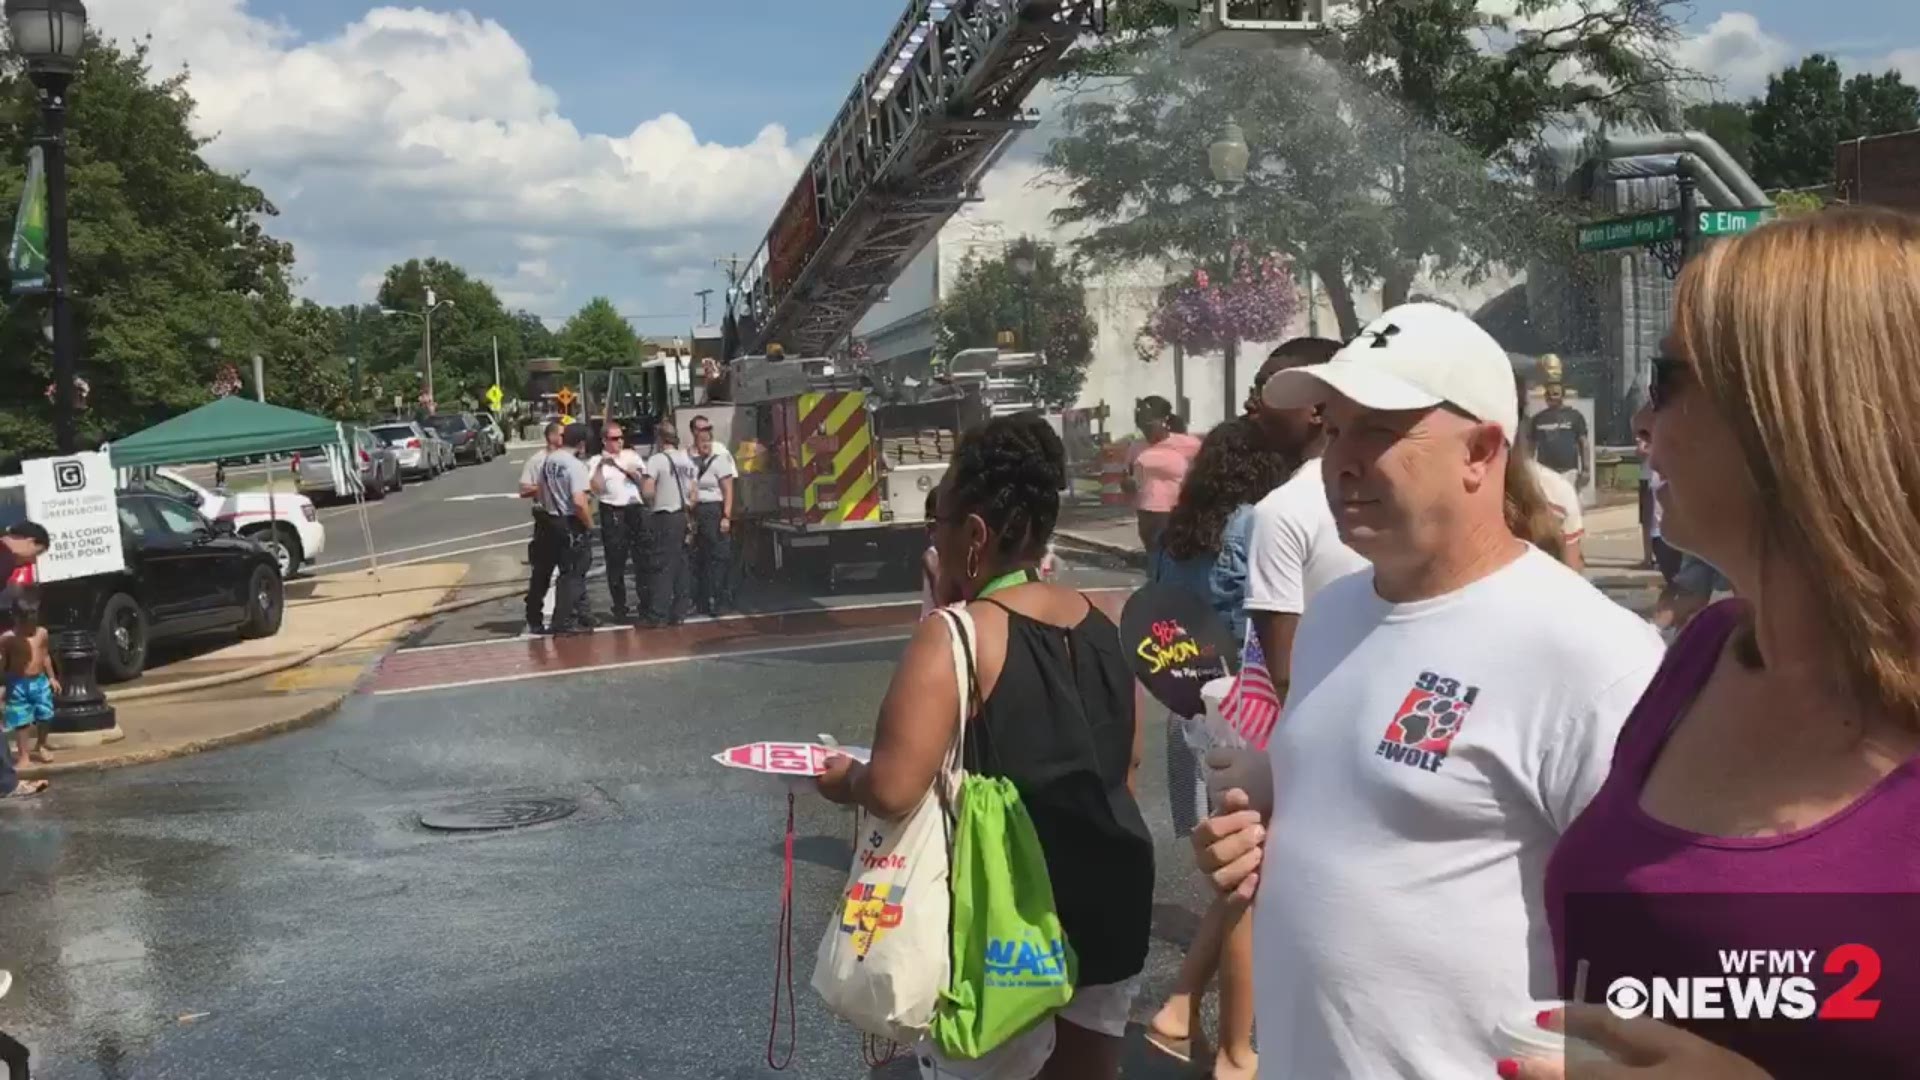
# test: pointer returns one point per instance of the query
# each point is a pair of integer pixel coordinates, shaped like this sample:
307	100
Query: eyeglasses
613	438
703	431
1668	374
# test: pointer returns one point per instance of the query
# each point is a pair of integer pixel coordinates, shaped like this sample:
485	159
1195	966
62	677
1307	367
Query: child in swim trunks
31	682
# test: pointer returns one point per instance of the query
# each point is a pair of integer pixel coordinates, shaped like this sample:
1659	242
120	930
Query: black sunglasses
1668	373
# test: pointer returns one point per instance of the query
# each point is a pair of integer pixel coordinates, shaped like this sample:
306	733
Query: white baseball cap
1415	356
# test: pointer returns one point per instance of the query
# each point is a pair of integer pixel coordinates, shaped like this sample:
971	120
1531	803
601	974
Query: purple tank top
1825	921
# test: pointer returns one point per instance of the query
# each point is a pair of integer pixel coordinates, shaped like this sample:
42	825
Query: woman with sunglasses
1055	716
1765	793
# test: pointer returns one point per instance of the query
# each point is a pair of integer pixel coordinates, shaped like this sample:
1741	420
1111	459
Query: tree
1401	145
465	331
1046	313
166	252
1727	123
597	336
536	340
1808	111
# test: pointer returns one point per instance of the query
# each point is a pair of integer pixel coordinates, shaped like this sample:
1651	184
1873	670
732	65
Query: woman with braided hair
1056	718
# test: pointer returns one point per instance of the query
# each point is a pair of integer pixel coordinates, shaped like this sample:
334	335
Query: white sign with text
72	497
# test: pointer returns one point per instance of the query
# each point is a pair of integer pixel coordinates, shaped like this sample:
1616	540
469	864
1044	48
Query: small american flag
1252	706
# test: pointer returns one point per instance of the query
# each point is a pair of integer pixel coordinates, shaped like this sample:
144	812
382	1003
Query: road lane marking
483	495
658	661
525	527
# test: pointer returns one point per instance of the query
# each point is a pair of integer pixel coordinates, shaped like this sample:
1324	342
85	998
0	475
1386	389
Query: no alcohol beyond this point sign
72	497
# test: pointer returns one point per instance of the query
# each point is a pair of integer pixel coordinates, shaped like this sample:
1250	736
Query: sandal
26	789
1180	1049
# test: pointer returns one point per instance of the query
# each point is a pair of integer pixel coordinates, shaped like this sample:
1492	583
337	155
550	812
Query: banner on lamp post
27	257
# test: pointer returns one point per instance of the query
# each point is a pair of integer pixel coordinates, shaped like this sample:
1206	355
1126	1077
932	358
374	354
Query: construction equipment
923	124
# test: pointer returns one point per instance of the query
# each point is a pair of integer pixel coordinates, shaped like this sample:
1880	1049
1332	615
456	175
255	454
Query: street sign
72	498
494	397
566	399
1644	229
1728	222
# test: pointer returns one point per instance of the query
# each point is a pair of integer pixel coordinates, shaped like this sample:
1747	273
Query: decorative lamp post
1227	157
49	35
1024	264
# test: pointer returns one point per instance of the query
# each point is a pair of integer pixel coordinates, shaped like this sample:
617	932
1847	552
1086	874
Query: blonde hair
1805	338
1529	515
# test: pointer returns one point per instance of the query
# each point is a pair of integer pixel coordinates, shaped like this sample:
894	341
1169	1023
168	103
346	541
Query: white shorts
1104	1009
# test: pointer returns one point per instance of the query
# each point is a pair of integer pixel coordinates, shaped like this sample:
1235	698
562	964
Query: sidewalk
319	610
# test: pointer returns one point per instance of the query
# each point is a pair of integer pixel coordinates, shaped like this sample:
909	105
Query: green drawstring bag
1011	966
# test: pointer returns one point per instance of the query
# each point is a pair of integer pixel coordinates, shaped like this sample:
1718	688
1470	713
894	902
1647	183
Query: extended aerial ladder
925	122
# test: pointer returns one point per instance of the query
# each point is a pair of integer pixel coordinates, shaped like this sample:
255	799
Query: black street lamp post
1227	159
49	35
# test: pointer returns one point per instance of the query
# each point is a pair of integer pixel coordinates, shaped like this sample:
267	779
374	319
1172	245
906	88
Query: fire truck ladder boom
907	150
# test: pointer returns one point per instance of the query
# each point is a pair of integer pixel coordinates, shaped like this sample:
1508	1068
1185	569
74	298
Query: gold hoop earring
973	563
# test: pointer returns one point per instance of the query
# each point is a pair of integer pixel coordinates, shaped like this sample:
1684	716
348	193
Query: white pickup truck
285	523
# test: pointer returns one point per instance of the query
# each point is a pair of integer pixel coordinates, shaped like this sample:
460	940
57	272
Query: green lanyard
1007	581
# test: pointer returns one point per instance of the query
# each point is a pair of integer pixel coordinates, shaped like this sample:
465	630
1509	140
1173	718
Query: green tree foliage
598	336
466	325
166	252
1729	124
1047	314
1808	110
1397	143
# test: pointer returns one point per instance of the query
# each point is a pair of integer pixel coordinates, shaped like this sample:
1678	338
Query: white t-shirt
1400	917
617	488
1564	498
671	493
721	468
1295	549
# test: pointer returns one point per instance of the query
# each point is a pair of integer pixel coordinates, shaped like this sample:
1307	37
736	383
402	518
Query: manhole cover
483	814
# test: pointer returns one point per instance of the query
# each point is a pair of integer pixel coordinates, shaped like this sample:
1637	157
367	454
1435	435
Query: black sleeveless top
1059	724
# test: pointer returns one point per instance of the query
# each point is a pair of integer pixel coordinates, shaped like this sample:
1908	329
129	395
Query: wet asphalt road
276	911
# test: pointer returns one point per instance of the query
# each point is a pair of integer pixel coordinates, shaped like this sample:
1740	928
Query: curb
1126	558
152	755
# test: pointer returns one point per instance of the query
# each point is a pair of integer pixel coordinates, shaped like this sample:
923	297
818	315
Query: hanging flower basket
226	382
1202	314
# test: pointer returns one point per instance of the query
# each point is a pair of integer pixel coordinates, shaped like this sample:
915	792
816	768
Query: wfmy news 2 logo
1758	984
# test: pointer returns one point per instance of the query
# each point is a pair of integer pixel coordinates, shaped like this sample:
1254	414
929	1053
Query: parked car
285	522
376	463
442	449
469	439
412	450
186	576
492	426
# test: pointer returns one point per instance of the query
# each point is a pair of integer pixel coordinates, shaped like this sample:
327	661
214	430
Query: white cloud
414	132
1738	52
1904	61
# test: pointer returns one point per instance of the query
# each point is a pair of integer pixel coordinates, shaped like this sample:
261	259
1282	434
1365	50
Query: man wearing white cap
1450	712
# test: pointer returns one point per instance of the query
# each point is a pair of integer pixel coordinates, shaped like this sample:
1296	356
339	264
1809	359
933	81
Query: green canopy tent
230	427
235	427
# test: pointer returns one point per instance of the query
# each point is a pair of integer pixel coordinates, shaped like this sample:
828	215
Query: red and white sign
784	758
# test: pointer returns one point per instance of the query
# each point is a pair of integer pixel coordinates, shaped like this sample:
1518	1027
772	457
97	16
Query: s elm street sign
1644	229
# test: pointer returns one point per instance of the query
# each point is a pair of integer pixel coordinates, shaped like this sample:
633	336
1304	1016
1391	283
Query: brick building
1883	170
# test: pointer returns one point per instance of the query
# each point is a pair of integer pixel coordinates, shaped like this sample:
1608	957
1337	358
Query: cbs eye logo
1627	997
69	476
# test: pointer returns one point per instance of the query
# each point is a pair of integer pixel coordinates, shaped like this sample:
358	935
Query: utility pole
429	321
496	359
259	378
703	294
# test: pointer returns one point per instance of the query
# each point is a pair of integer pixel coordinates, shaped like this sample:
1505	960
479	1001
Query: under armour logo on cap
1381	336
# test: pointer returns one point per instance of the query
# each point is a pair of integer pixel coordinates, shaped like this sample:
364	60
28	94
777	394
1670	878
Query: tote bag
882	965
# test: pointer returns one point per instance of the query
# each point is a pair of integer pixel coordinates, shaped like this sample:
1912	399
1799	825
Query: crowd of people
667	513
1475	742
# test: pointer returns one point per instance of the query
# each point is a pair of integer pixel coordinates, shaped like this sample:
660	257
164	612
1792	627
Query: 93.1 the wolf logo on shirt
1423	727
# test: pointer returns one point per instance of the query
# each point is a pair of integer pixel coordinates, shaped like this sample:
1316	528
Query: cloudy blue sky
568	148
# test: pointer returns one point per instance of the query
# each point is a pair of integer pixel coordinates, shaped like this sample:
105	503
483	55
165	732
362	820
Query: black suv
467	434
185	577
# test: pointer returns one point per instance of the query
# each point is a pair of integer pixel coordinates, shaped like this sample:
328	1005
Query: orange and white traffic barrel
1113	475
